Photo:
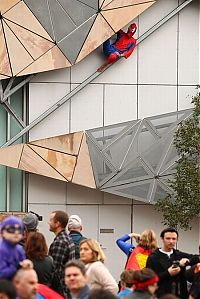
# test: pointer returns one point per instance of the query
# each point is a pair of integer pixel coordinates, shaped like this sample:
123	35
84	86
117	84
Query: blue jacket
10	256
125	247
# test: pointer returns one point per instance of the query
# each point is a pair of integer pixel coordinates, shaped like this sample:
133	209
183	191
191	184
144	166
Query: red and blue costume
123	46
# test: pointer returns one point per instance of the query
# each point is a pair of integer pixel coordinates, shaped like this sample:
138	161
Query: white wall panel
87	108
46	190
155	13
90	219
158	57
118	219
185	94
81	195
42	97
61	75
120	103
114	199
188	54
156	99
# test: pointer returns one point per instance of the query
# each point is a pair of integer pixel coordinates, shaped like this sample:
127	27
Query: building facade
160	77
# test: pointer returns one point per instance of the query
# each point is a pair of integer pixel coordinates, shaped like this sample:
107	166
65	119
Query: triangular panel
4	60
94	40
91	3
76	40
21	15
104	3
123	3
33	43
63	163
33	163
53	59
124	15
102	168
62	23
68	144
77	11
10	156
7	4
133	191
40	9
83	174
16	49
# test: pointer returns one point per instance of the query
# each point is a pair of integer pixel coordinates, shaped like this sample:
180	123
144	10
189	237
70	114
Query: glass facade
11	180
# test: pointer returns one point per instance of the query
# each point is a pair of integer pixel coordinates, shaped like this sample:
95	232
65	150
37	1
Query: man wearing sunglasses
11	253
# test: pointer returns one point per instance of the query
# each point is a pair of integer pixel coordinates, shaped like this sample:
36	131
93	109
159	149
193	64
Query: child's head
126	278
12	229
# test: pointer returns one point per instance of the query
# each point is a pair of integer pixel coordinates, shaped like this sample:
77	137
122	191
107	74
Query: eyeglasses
13	229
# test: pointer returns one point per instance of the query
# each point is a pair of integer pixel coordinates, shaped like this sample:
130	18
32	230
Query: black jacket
160	262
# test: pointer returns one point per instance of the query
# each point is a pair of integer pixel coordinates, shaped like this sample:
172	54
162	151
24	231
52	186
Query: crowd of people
73	266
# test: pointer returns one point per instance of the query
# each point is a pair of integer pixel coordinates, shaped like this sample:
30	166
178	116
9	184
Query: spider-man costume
123	46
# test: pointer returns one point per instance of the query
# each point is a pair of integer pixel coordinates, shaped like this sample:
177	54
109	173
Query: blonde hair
148	240
98	254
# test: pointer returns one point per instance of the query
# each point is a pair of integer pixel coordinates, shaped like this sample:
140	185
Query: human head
75	276
74	223
126	278
30	221
36	246
90	251
169	238
132	29
7	290
58	221
12	229
148	240
145	280
101	294
25	282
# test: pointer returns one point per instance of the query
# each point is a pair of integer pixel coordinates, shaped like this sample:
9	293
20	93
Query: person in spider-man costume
122	47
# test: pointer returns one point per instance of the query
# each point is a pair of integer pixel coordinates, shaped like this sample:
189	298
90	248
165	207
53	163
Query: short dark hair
101	294
168	230
7	288
62	217
78	264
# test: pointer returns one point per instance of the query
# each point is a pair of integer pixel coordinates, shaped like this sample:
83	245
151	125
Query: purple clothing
125	247
10	256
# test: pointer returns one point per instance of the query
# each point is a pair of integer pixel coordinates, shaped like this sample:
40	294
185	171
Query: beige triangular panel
63	163
68	144
103	3
16	49
34	44
7	4
3	77
122	3
21	15
10	156
53	59
94	40
33	163
124	15
4	60
83	174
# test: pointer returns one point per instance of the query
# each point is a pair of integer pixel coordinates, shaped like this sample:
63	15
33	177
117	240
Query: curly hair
36	246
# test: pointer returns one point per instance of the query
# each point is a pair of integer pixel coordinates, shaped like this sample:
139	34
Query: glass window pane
15	189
